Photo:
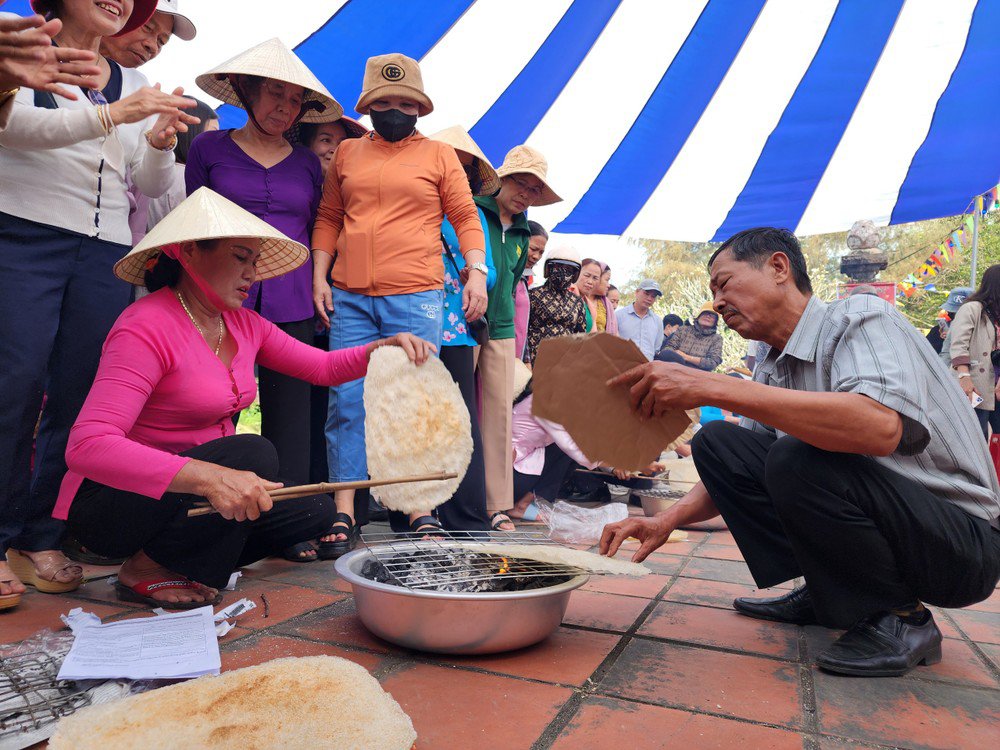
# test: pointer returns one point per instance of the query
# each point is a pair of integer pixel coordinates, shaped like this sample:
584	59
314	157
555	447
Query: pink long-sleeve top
531	435
161	390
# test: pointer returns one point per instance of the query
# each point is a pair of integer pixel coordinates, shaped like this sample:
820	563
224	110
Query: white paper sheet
171	646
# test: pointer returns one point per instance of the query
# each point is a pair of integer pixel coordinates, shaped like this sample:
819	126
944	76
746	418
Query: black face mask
392	124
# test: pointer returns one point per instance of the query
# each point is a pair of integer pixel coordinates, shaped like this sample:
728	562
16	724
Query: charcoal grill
453	595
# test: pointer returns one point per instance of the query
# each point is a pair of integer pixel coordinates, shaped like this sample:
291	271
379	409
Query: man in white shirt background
638	323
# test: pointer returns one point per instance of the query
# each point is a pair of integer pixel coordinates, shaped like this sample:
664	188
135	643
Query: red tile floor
638	664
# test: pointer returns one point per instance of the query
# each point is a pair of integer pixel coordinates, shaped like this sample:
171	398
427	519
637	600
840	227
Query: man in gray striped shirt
859	464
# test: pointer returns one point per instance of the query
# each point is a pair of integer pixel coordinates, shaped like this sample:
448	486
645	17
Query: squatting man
842	470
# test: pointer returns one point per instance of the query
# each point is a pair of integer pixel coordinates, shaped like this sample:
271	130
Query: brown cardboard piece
569	385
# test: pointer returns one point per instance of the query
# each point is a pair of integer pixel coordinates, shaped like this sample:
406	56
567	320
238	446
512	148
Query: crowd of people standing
411	238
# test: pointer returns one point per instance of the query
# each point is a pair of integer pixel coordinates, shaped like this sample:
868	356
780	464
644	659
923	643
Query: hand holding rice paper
415	423
561	385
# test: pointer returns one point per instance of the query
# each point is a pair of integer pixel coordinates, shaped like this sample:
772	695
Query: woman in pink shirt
156	433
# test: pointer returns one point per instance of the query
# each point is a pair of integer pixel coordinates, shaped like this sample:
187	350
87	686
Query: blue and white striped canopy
676	119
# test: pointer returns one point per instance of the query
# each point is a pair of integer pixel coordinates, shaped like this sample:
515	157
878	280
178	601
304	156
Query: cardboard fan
569	385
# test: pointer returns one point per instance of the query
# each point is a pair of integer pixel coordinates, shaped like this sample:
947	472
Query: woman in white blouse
63	224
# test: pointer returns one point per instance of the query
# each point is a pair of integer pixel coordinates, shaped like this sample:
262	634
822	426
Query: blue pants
359	319
58	299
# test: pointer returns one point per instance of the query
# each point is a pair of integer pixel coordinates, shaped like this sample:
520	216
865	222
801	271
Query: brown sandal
41	572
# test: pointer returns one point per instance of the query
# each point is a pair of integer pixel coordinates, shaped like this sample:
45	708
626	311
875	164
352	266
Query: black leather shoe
795	608
883	645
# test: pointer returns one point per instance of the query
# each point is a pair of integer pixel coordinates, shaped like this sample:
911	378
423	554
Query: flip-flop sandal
295	553
142	591
498	519
43	576
333	550
428	526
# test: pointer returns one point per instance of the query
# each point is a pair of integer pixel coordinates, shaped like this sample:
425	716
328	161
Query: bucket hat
183	28
206	215
394	74
272	59
526	160
459	139
142	11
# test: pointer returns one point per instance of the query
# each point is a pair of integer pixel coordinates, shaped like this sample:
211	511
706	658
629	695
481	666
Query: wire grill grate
31	696
460	560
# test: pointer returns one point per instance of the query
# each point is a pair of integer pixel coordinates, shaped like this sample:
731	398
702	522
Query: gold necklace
218	346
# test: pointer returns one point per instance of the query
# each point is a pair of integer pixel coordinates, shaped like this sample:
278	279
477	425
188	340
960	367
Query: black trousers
206	548
865	538
466	509
285	406
545	485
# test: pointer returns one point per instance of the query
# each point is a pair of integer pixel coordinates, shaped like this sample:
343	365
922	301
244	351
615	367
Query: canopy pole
975	239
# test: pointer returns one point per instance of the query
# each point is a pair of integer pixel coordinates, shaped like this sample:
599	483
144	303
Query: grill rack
391	550
31	696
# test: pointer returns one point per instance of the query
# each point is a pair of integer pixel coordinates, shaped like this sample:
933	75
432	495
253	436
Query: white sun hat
271	59
206	215
183	28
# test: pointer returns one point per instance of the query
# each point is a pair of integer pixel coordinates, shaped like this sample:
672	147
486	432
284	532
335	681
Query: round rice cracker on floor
306	702
416	422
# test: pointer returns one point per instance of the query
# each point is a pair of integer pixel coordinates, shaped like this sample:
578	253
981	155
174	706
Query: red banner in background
884	289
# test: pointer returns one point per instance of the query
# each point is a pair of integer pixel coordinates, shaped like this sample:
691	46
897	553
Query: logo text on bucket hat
392	72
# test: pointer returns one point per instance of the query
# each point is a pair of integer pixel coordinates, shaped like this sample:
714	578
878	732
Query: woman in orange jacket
384	199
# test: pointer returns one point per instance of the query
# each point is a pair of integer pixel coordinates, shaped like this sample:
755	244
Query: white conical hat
206	215
271	59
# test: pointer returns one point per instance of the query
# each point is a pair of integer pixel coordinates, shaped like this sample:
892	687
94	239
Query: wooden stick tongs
304	490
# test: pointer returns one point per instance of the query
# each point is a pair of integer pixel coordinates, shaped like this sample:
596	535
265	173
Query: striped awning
687	119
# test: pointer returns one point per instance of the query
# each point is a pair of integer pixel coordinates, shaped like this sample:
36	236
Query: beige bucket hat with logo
526	160
459	139
206	215
394	74
271	59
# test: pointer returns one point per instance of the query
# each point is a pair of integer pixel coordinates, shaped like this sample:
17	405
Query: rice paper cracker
416	422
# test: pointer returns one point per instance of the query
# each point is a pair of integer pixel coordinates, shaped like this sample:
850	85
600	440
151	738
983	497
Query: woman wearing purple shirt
259	170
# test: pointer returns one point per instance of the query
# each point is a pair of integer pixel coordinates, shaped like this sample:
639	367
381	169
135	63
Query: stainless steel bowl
447	622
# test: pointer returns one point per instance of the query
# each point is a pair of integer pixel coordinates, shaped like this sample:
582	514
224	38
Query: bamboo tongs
304	490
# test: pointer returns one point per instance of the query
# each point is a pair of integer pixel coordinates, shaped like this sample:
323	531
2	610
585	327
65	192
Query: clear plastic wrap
574	524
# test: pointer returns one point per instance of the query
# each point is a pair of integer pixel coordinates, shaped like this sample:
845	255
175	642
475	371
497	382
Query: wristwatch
481	267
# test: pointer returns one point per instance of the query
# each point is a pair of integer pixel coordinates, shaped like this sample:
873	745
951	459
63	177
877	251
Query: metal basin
447	622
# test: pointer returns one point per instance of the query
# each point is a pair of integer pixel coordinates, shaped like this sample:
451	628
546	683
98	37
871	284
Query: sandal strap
146	588
425	521
343	519
49	563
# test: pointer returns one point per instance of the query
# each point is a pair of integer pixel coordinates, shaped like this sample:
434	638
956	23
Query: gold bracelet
169	147
9	94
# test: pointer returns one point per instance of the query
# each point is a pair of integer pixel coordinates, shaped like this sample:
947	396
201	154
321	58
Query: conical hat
271	59
206	215
459	139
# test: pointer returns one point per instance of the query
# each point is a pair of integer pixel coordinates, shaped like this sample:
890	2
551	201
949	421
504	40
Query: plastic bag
574	524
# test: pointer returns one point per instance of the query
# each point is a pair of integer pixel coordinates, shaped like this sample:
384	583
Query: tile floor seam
807	693
703	712
719	649
993	670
